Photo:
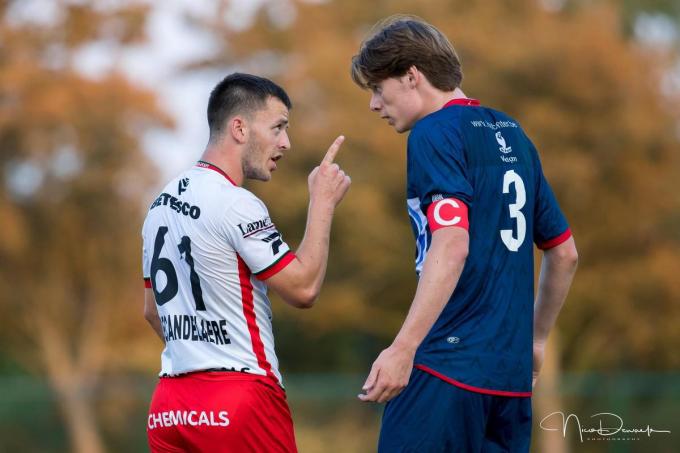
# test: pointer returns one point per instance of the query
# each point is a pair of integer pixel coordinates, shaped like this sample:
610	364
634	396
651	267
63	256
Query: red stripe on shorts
249	312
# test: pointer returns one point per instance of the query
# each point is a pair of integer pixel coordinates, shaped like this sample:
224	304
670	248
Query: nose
375	103
284	142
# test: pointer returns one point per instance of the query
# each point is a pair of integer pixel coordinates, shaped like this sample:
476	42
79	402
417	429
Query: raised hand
327	182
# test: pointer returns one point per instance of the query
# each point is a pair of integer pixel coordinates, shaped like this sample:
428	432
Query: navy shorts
432	416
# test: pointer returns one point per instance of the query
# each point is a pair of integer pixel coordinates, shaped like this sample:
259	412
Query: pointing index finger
333	150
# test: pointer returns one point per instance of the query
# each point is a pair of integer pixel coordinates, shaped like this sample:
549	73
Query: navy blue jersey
483	338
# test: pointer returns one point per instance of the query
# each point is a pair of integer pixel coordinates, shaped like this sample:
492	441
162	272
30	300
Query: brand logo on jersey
501	141
276	237
253	227
182	185
437	197
177	205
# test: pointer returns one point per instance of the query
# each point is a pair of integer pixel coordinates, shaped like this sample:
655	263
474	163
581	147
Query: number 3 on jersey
165	265
513	243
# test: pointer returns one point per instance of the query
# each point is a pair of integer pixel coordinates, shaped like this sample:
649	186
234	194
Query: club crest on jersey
248	229
182	185
501	141
503	148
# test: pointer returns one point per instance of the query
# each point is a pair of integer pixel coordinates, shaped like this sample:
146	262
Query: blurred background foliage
596	84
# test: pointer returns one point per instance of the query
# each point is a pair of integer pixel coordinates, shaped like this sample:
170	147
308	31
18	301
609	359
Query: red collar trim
210	166
462	101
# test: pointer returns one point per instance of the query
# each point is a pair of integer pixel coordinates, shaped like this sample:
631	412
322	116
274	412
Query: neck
228	160
437	99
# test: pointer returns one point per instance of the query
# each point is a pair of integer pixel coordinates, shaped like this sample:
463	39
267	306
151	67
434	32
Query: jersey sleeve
255	238
437	167
550	225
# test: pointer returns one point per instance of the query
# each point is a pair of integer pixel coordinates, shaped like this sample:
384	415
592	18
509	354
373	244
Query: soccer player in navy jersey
458	376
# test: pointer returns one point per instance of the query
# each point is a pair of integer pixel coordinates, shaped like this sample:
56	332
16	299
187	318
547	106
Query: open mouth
274	159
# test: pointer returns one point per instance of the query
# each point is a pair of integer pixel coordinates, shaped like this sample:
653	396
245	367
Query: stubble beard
251	164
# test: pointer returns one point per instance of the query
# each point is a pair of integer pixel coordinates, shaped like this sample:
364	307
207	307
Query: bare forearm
299	283
151	313
313	250
439	277
156	325
557	272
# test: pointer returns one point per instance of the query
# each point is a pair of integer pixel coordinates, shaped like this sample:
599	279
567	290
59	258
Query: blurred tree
72	186
589	97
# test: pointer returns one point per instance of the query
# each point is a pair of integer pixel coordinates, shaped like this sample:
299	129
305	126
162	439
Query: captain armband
447	212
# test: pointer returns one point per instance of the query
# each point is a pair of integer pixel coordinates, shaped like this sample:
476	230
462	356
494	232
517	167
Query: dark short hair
240	93
399	42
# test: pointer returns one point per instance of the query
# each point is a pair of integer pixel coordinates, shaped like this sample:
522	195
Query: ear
412	76
238	129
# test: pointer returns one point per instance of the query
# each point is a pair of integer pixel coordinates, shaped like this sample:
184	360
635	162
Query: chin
401	128
263	175
266	175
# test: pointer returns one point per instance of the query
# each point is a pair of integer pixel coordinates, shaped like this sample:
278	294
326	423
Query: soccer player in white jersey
210	253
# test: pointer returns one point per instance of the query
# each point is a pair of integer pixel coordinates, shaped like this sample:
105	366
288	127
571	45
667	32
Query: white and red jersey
207	247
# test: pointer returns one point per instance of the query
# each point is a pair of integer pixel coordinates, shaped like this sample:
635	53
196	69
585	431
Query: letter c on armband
446	213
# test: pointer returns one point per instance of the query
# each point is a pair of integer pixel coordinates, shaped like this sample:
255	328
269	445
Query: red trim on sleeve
470	387
275	268
448	212
554	242
147	283
251	319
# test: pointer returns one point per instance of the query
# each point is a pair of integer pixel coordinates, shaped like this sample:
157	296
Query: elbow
301	297
306	298
150	315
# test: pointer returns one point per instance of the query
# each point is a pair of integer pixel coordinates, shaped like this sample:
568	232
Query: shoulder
243	205
436	134
215	188
243	196
444	124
